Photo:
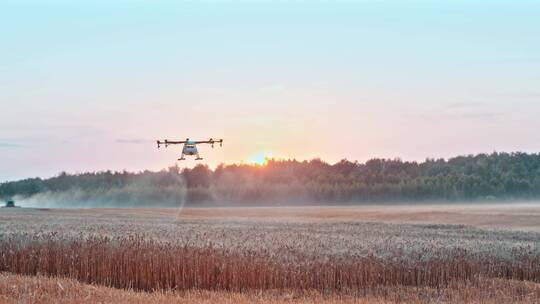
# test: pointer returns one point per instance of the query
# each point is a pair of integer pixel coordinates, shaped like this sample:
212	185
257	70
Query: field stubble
44	290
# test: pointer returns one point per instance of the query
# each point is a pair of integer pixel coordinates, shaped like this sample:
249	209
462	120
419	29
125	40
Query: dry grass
243	259
282	236
41	290
517	215
135	262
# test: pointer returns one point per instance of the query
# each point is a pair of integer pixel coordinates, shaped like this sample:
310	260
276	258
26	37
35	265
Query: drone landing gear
183	158
198	158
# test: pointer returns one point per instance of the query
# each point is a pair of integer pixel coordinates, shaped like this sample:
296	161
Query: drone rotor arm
210	141
167	142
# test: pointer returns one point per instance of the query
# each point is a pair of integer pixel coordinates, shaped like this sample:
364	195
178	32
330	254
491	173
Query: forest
482	177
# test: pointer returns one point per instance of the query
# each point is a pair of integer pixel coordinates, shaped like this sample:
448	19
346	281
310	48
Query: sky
90	85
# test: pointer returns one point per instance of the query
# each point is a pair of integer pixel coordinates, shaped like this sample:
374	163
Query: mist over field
479	178
131	196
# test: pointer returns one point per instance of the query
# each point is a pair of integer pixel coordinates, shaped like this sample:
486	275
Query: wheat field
44	290
368	254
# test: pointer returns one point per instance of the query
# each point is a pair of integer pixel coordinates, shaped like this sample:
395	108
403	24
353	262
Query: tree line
496	176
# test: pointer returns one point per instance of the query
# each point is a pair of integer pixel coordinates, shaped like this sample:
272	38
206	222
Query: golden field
38	289
388	254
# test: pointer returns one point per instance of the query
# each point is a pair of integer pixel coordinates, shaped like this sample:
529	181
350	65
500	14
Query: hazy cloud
131	141
483	115
463	111
461	105
9	145
522	95
508	60
472	110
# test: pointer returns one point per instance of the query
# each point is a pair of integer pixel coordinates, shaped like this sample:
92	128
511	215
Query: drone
190	146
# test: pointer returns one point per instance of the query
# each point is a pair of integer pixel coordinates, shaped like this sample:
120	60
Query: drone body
190	146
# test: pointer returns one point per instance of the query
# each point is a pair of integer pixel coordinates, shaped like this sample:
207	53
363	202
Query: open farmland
350	251
43	290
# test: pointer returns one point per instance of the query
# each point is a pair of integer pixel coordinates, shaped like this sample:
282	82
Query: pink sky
91	86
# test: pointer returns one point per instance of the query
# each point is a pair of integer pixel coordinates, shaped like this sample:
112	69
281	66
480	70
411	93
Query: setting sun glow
261	159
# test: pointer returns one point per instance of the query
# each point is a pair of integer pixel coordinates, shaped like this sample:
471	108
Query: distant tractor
10	204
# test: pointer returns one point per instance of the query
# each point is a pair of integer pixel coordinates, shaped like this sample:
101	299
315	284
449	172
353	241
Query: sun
261	159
